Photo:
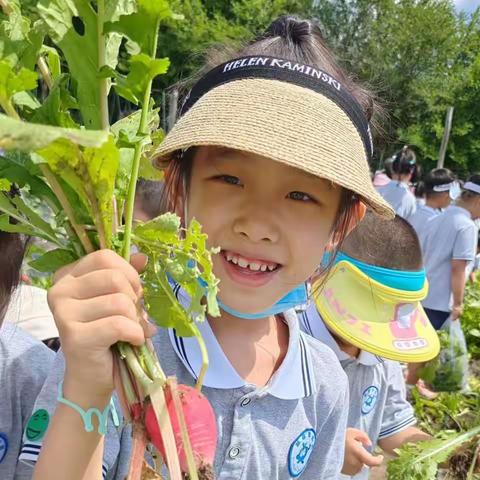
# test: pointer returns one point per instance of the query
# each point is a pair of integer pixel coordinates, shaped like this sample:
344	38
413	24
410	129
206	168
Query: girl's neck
255	348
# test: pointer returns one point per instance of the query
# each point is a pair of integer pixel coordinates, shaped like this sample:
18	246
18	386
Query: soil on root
205	472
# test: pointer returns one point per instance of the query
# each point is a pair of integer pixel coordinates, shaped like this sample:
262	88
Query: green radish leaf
29	222
73	27
26	137
140	27
55	108
148	171
122	179
420	461
12	82
52	260
184	256
19	40
128	126
91	174
102	165
143	69
114	9
5	185
161	303
53	60
26	101
21	176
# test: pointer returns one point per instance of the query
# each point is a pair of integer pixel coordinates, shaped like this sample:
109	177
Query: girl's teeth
254	266
263	268
242	263
229	257
271	267
235	260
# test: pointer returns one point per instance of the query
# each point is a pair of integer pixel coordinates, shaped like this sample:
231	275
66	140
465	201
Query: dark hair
150	195
404	161
468	194
298	40
385	243
435	177
420	189
12	246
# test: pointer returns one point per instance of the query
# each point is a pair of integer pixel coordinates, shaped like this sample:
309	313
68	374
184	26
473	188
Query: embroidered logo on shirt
37	425
300	451
3	446
369	399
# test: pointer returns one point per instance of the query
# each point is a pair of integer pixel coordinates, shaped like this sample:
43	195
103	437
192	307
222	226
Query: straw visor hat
292	113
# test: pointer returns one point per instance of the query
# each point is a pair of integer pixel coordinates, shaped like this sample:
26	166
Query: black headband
273	68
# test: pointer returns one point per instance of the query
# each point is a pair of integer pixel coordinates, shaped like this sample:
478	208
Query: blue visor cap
398	279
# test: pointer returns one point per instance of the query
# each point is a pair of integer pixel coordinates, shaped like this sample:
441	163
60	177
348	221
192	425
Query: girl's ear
356	216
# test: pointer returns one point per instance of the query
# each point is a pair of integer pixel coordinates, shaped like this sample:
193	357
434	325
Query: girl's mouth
248	271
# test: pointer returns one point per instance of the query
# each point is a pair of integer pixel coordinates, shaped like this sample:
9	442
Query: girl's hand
95	303
356	455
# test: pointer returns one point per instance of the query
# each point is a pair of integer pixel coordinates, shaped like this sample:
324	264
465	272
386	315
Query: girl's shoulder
20	350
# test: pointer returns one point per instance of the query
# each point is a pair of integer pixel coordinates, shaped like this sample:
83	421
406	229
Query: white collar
314	325
463	211
293	380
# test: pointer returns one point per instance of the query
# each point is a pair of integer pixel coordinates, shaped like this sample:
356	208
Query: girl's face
271	221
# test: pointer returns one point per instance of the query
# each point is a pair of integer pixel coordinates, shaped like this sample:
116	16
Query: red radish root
201	427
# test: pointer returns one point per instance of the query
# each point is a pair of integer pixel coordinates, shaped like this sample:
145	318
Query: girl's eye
230	179
300	196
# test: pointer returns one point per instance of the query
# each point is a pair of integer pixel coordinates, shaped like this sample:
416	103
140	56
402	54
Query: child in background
449	244
149	200
367	310
397	192
439	187
259	158
24	364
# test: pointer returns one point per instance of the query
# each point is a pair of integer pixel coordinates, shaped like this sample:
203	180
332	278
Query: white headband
473	187
445	187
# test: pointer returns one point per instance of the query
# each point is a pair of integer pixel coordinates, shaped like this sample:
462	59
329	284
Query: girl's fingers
104	333
102	282
105	260
139	261
92	309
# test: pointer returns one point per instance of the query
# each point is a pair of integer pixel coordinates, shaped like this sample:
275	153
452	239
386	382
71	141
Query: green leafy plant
420	461
59	151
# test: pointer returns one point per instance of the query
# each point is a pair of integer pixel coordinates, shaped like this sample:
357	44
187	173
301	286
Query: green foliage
420	461
187	261
52	260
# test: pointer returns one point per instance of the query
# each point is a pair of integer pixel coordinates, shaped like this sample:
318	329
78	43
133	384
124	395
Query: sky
467	5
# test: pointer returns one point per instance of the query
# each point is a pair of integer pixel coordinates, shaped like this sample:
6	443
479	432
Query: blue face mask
294	298
398	279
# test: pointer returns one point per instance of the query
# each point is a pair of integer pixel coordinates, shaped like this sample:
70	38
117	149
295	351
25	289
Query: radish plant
59	149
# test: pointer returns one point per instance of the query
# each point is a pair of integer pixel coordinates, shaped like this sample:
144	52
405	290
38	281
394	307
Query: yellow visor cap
376	318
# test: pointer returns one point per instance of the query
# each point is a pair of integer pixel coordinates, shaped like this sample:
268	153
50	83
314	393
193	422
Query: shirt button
233	453
245	402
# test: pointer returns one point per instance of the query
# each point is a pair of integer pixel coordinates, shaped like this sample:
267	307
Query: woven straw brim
287	123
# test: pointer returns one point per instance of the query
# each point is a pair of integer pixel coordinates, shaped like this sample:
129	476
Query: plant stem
7	9
187	446
45	71
203	350
7	105
128	354
151	363
136	158
159	404
102	82
62	198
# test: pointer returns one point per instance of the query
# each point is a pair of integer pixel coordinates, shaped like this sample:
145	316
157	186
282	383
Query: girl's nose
257	227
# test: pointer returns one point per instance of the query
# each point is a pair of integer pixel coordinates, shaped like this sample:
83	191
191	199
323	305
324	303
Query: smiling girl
270	155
